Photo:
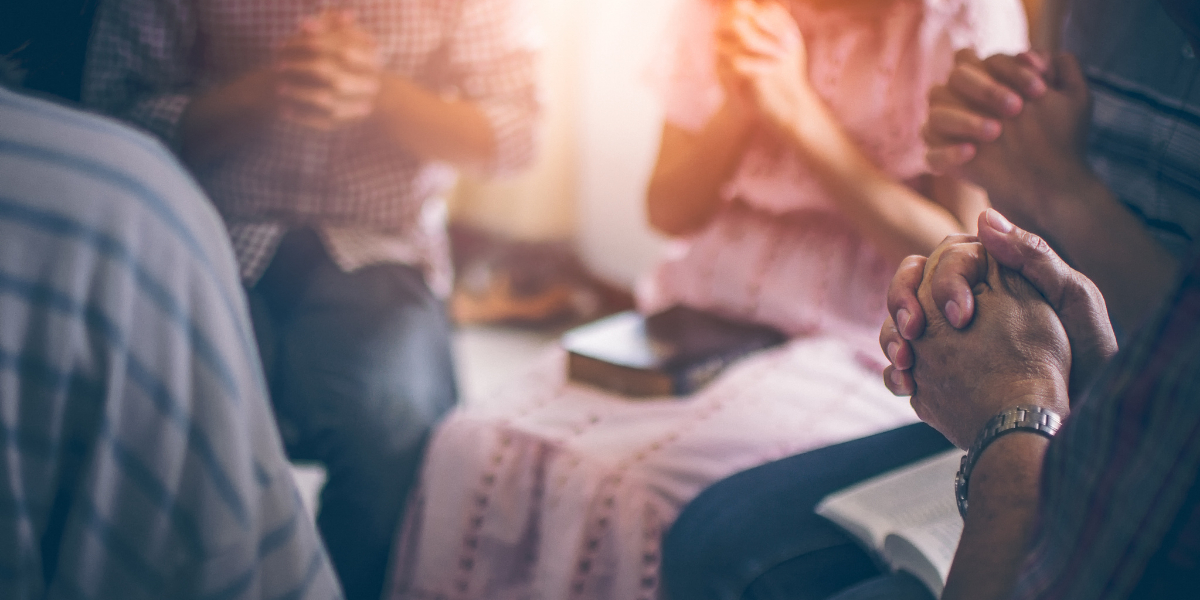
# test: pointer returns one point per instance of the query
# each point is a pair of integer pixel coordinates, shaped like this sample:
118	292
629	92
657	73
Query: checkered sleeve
495	46
138	63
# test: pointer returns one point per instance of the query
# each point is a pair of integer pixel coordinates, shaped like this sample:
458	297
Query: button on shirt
369	200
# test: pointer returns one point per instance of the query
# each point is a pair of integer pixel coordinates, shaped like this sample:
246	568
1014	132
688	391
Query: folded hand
329	73
962	265
1015	350
762	61
1026	149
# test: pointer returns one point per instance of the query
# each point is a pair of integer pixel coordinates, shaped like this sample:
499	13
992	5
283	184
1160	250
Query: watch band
1028	418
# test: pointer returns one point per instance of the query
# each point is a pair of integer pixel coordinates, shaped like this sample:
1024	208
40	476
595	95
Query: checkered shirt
370	201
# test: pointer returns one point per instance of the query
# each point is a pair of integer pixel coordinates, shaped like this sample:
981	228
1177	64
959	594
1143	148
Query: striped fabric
1121	497
138	453
373	202
1121	505
1145	131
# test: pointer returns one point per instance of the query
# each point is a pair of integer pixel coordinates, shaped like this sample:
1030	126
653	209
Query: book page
911	496
925	550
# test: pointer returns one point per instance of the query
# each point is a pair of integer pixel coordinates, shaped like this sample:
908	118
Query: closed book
671	353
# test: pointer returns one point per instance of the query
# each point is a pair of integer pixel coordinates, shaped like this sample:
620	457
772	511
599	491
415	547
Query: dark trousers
359	368
754	535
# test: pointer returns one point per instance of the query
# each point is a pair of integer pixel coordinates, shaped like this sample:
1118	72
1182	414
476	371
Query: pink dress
557	491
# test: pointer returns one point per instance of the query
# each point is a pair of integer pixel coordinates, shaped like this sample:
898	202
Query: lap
808	394
750	523
892	586
366	352
608	475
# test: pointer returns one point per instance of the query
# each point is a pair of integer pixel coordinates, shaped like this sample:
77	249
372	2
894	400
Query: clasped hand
329	73
1017	127
762	62
989	322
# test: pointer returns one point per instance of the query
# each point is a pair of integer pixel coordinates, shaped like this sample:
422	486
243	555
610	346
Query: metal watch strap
1028	418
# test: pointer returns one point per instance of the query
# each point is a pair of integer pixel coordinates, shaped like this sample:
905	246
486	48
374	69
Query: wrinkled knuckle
1037	247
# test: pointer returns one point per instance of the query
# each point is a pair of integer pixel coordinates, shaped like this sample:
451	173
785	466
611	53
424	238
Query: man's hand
761	59
1040	157
967	110
1014	352
962	266
1000	125
329	73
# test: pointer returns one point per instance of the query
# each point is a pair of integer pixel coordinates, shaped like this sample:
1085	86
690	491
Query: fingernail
892	349
998	222
966	152
1036	88
1012	103
898	379
902	319
953	313
991	129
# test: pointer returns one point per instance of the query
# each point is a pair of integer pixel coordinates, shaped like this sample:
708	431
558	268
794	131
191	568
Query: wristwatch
1028	418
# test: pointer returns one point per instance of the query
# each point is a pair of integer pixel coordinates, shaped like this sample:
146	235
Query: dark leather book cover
674	352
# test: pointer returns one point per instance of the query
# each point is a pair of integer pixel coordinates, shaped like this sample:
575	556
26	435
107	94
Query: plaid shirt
1121	494
1145	128
1120	513
141	458
370	201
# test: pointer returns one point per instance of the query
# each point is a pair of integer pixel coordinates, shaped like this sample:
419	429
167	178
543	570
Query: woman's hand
762	62
739	98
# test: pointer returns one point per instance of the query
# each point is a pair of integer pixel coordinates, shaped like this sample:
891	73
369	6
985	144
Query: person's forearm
1003	502
684	192
433	127
1132	270
898	220
219	121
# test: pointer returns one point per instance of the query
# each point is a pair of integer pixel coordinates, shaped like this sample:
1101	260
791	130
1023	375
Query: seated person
1108	507
791	161
141	458
754	535
325	133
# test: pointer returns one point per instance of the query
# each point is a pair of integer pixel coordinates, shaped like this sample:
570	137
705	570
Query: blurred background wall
586	191
600	140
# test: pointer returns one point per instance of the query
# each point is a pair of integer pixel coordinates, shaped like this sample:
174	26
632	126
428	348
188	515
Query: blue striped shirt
140	456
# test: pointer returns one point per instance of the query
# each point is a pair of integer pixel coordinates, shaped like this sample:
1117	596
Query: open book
908	517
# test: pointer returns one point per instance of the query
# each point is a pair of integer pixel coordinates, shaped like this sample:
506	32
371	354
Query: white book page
911	496
925	550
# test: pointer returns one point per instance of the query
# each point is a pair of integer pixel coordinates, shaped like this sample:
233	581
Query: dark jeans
359	367
755	536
